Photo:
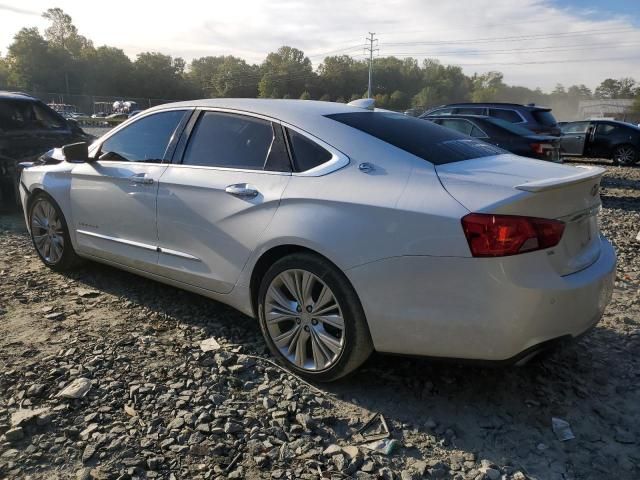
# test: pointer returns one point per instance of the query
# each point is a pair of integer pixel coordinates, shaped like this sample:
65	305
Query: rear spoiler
587	173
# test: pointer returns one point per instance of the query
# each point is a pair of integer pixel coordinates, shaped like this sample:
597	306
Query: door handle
140	179
242	190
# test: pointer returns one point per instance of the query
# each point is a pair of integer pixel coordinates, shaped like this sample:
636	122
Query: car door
574	136
218	196
602	140
113	197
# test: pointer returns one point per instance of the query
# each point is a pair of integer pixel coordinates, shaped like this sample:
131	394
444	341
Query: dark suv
28	128
537	119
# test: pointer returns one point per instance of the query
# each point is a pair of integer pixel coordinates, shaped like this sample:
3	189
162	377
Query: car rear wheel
312	319
50	234
625	155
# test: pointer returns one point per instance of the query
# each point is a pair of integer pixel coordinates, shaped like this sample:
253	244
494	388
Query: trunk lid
512	185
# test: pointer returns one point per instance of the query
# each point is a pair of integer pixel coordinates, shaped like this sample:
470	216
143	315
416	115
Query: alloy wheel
625	155
47	231
304	320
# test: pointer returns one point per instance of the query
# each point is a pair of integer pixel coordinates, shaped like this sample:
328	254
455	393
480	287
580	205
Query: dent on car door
113	197
216	200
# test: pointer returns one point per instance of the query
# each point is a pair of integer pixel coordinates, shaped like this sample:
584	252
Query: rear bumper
480	309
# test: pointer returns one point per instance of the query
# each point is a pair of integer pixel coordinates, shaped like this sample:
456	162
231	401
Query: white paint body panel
395	231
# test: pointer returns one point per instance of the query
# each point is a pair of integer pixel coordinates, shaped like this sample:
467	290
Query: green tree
234	77
285	72
399	100
29	60
609	88
305	96
62	33
487	86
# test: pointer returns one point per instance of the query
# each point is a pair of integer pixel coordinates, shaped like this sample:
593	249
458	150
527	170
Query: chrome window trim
95	146
225	169
337	161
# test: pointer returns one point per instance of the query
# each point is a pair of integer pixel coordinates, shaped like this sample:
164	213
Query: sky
535	43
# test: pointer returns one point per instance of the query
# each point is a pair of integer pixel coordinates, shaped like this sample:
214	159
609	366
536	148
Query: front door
215	203
574	136
113	198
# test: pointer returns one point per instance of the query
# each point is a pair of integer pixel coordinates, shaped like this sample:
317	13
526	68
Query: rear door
113	198
573	138
217	198
603	139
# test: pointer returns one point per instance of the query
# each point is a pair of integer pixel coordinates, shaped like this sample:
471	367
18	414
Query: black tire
69	260
357	339
625	155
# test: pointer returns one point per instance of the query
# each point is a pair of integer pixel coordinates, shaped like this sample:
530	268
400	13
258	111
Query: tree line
63	61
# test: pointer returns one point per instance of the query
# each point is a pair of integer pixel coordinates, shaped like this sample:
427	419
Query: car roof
498	104
295	112
7	95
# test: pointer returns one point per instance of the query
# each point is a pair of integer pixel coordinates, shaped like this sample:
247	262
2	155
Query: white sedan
342	230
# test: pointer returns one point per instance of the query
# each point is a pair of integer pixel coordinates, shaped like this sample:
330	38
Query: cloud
522	38
21	11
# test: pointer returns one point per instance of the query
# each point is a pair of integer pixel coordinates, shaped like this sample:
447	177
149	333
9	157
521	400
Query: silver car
342	230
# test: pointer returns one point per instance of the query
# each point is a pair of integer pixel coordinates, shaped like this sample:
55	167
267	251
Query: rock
332	450
76	389
24	416
154	463
130	411
624	437
36	390
408	475
492	473
14	435
231	427
368	466
89	451
209	345
55	316
385	473
351	451
83	474
87	432
87	293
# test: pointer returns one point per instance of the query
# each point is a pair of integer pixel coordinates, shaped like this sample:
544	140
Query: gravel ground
158	406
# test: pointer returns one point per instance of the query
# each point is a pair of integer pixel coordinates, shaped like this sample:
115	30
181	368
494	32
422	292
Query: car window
544	117
510	127
306	153
577	127
606	129
145	140
229	140
477	133
503	114
419	137
461	126
441	111
469	110
20	115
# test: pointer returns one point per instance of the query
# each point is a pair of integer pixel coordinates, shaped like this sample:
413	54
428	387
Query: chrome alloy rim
46	230
304	320
624	155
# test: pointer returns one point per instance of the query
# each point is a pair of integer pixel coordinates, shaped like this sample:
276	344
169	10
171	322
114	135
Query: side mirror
76	152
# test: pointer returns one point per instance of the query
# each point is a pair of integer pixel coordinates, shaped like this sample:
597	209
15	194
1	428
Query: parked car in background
265	205
618	141
503	134
117	116
536	118
28	128
99	115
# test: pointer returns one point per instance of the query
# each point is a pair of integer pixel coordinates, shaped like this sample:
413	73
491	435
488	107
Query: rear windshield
544	117
422	138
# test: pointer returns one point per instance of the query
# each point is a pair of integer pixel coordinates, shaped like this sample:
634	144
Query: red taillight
501	235
537	148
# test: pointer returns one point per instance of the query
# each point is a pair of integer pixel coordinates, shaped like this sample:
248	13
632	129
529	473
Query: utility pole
370	49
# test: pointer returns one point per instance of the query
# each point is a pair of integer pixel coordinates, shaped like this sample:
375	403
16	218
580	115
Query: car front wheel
312	319
50	234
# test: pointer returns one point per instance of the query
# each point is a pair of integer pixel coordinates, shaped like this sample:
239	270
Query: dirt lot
160	407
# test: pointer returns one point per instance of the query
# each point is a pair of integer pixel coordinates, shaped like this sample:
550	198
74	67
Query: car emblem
594	190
